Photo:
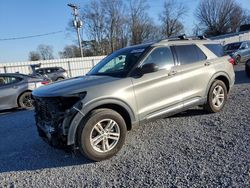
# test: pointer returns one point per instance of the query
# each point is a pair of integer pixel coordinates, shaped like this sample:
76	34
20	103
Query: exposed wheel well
122	111
60	77
225	80
21	95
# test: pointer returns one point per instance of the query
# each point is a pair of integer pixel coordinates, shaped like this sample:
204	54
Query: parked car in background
248	68
130	86
15	90
53	73
240	51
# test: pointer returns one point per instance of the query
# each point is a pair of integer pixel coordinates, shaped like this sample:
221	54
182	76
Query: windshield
233	46
119	63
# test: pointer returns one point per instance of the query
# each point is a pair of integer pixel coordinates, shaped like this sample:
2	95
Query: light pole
77	23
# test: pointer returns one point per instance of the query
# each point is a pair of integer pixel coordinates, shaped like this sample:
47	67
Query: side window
217	49
162	57
54	69
2	81
244	45
39	71
188	54
48	71
60	69
5	80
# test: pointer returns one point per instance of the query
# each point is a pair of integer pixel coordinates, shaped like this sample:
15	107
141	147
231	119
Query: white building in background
233	37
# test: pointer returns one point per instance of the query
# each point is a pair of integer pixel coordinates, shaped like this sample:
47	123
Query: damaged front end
53	116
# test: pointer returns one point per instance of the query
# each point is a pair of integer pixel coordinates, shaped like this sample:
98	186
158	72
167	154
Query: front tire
217	97
101	134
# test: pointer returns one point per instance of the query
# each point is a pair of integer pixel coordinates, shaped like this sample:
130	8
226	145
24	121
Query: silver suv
53	73
92	113
240	51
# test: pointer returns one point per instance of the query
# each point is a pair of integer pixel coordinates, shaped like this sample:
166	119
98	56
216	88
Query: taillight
45	82
231	60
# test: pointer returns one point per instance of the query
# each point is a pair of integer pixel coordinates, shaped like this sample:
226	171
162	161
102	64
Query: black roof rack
184	37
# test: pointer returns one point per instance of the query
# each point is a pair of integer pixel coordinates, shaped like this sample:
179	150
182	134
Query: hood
71	86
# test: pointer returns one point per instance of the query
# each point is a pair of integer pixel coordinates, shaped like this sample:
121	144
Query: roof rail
202	37
184	37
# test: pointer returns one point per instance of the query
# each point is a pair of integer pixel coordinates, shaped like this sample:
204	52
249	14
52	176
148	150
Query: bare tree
171	18
115	23
70	51
34	56
140	23
45	51
220	16
106	24
94	19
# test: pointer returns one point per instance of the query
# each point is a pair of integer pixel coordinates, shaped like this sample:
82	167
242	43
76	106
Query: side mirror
149	68
242	48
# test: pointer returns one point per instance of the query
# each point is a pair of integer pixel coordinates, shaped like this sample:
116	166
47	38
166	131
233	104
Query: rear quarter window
188	54
217	49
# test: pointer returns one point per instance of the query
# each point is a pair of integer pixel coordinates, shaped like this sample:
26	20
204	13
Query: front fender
88	108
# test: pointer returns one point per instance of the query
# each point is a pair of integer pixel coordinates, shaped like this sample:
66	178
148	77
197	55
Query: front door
159	92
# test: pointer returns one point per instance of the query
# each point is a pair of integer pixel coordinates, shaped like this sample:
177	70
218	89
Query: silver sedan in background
15	90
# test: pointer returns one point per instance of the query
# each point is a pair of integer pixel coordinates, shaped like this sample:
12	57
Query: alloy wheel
105	135
218	96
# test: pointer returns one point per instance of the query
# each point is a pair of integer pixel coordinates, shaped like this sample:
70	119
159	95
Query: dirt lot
192	149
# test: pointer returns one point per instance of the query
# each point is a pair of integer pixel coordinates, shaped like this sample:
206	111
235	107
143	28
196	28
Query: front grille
50	112
47	113
42	110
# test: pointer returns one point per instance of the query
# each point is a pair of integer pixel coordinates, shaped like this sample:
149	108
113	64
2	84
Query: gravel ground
192	149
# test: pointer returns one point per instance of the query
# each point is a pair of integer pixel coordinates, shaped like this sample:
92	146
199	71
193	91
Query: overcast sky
19	18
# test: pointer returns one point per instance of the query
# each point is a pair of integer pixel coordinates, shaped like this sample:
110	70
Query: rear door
244	51
52	73
159	92
195	72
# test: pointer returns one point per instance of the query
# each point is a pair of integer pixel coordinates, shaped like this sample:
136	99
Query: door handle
14	87
172	73
207	63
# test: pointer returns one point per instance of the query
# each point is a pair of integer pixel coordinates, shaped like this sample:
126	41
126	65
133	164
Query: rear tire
248	68
25	100
237	60
248	73
101	134
217	97
60	78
